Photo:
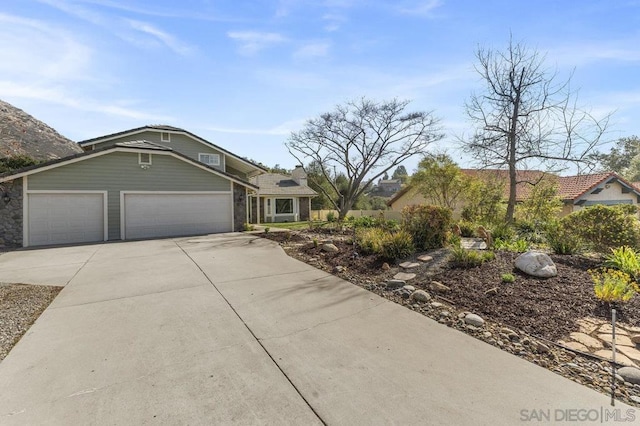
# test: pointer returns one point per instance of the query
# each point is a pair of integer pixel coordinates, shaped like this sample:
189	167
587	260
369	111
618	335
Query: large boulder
537	264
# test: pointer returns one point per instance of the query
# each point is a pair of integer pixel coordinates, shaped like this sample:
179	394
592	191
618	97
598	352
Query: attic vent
144	159
165	137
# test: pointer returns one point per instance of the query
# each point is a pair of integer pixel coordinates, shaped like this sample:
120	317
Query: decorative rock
576	346
630	374
404	276
606	328
330	248
629	352
409	265
620	340
474	319
425	258
541	347
586	340
393	284
436	305
507	331
635	339
405	294
537	264
438	286
620	359
385	266
409	288
445	314
492	291
421	296
338	268
487	334
635	399
587	325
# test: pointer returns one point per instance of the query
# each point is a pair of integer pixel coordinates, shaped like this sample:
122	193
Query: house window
209	159
165	137
284	205
144	159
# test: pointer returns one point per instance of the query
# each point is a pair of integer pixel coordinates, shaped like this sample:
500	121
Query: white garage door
172	215
65	218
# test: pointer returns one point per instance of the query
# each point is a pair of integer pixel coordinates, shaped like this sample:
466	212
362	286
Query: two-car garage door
150	215
78	217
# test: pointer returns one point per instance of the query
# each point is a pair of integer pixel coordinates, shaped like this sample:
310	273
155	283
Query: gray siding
120	171
180	143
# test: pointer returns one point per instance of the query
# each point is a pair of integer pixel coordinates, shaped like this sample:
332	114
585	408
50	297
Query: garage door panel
65	218
169	215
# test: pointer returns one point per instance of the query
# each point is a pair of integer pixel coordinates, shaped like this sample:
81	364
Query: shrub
604	227
517	246
562	241
266	230
248	227
612	286
508	278
364	222
331	217
427	225
467	229
502	231
397	245
370	240
624	259
315	243
463	258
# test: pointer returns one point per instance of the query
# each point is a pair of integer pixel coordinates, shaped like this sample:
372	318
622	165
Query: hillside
22	134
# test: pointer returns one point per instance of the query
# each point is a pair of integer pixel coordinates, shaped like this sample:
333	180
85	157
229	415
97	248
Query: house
576	192
281	198
386	187
148	182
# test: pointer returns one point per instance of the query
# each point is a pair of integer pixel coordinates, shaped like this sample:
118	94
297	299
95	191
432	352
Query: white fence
387	214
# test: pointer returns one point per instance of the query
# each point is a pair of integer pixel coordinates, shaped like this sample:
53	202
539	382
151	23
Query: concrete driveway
228	329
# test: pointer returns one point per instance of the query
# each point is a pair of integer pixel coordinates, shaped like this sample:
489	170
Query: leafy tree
621	156
483	201
363	140
401	173
524	115
278	169
440	180
543	203
9	164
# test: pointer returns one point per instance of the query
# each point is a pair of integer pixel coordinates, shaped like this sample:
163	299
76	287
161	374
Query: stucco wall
11	214
608	196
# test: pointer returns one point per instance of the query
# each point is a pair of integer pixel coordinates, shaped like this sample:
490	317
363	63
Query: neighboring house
153	181
576	192
386	187
281	198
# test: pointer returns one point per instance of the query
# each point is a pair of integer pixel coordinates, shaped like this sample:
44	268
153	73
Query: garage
158	214
66	218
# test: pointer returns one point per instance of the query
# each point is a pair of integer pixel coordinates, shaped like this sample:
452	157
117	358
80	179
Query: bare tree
525	116
363	140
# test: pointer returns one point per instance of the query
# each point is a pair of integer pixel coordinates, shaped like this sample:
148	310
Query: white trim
162	139
213	154
122	149
145	163
123	193
25	206
25	212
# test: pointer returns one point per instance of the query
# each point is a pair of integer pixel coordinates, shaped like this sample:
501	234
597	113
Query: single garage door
67	218
153	215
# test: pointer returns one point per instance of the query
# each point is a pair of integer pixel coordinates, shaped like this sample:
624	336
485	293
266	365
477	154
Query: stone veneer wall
239	207
11	214
304	208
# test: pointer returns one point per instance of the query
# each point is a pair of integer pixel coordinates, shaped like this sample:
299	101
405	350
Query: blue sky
244	74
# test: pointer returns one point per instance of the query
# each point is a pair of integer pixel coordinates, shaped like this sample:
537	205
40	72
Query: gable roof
237	162
277	184
574	187
133	146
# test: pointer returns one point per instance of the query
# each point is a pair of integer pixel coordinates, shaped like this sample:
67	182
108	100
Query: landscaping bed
526	317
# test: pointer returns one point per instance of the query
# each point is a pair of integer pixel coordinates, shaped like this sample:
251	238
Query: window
284	205
144	159
165	137
209	159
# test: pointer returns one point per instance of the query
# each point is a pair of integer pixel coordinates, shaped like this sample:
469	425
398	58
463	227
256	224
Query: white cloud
164	38
282	129
587	52
251	42
312	50
419	8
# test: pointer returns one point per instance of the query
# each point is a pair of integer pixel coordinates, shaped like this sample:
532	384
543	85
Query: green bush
624	259
503	231
397	245
331	217
463	258
427	225
563	241
467	229
517	246
603	228
612	286
370	240
363	222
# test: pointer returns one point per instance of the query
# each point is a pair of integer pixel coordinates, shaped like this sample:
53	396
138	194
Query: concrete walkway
228	329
